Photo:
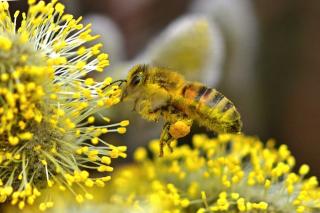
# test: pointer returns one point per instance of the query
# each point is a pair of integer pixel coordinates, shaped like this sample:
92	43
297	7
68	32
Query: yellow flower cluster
48	106
231	173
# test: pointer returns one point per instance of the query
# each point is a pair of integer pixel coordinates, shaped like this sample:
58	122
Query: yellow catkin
230	173
48	106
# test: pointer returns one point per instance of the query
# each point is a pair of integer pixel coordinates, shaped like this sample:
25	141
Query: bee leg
169	145
165	138
156	113
161	148
178	130
135	105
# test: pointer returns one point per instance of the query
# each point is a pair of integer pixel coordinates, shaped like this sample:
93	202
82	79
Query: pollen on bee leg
180	129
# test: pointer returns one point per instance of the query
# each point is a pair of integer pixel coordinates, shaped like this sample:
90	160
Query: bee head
135	80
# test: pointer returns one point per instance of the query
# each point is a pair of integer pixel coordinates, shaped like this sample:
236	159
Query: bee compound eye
135	80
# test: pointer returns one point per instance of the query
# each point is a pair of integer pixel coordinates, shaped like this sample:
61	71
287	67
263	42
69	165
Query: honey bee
162	93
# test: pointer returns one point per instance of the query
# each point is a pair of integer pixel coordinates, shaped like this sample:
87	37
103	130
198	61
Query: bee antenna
114	82
119	81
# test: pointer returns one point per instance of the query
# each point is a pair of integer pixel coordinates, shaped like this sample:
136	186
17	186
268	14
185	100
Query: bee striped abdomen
203	93
212	109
